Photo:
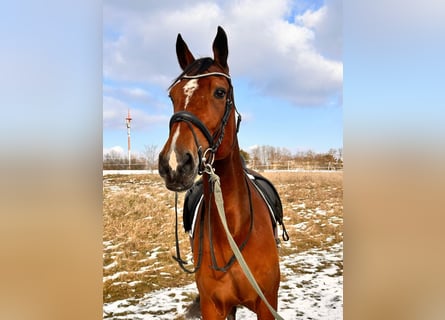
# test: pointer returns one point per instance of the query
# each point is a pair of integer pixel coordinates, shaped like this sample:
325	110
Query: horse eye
219	93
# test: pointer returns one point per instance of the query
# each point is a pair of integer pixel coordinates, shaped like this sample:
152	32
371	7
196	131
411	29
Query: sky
285	60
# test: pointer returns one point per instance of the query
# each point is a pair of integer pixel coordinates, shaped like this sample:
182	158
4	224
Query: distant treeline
276	158
260	158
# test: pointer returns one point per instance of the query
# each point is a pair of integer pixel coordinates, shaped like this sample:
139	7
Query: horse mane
196	67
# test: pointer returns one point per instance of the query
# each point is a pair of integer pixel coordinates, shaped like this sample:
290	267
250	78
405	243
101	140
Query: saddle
193	202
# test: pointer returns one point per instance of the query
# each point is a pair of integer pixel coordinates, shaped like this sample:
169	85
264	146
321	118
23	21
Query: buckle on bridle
207	163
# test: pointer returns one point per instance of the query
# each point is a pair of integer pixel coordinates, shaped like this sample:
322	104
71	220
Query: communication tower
128	122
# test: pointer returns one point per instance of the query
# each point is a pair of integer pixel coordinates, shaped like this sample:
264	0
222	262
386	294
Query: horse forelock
196	67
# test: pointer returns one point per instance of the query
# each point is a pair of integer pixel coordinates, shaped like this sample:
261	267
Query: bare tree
333	152
340	154
255	157
151	153
269	157
114	160
245	155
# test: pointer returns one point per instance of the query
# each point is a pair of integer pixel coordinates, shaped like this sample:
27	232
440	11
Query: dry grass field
139	218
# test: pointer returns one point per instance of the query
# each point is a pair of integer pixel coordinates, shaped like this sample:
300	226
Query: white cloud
114	112
116	149
327	25
298	60
137	92
131	94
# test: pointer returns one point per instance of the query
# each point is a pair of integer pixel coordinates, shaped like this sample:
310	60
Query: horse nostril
163	166
188	164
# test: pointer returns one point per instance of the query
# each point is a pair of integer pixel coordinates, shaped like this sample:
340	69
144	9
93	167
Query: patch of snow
312	289
111	265
301	226
320	212
109	246
299	206
115	276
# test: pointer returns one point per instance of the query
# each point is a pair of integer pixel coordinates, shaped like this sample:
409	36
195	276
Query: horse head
202	128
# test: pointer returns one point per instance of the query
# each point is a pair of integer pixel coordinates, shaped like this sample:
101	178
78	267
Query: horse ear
220	48
185	57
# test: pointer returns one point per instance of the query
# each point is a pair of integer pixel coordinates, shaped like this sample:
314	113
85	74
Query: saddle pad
192	202
269	193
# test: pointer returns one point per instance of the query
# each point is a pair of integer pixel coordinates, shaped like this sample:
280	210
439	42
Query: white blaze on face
189	89
173	161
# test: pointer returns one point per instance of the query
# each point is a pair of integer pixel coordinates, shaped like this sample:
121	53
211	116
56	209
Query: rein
178	258
216	191
215	266
243	244
214	180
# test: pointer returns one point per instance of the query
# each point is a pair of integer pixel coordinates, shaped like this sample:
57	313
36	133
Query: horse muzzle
178	170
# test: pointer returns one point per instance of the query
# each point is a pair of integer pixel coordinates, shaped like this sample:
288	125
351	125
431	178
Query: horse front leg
232	314
210	311
262	310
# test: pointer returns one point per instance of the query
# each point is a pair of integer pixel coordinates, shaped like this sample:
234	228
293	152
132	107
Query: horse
203	135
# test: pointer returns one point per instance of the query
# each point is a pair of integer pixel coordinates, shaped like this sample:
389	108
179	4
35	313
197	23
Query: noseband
214	140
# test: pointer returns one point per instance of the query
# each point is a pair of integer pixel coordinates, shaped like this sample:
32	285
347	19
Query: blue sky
285	59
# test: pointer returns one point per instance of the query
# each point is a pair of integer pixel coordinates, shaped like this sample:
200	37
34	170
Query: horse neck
231	173
234	190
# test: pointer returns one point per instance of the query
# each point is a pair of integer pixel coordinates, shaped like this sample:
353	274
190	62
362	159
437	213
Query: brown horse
203	132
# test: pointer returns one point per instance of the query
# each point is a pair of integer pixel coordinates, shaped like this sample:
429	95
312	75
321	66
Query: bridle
206	159
215	140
